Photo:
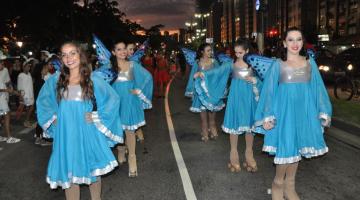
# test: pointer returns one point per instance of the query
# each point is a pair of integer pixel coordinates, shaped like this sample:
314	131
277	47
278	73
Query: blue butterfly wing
103	54
57	64
311	53
223	58
190	56
106	73
136	57
259	63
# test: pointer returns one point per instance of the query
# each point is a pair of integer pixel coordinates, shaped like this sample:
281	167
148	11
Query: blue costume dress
81	150
197	105
242	98
132	106
295	100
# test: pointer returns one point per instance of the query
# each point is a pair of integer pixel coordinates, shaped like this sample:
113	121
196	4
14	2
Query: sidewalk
345	131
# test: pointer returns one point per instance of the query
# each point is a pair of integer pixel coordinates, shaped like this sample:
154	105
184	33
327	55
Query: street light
19	43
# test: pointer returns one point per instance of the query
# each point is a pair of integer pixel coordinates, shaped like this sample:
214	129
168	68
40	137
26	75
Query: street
334	176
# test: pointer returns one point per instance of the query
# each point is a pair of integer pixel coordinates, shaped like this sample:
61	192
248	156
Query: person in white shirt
26	90
5	89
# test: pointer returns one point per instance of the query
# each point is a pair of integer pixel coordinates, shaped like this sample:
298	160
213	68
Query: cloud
171	13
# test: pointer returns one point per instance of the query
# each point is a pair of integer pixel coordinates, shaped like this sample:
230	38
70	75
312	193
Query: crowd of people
75	108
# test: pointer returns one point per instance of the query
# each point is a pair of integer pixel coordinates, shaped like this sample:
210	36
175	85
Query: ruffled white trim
256	92
47	125
280	161
103	129
271	119
226	92
325	117
240	130
197	110
133	127
203	85
209	106
202	108
105	170
270	149
82	180
189	94
146	102
307	152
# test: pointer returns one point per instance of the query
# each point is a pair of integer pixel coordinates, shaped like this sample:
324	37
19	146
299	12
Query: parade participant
148	62
203	62
130	47
5	89
14	71
38	83
134	86
241	103
294	108
25	88
162	76
76	109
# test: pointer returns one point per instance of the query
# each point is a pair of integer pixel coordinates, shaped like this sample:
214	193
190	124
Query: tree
44	23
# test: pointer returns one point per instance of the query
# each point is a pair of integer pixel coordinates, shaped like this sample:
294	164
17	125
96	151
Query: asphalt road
333	176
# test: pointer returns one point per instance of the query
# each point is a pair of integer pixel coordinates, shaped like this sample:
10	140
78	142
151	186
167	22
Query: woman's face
70	56
130	49
120	51
294	42
207	52
240	52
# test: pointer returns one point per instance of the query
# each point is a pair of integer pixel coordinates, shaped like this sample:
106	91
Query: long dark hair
85	72
200	50
245	44
113	60
283	50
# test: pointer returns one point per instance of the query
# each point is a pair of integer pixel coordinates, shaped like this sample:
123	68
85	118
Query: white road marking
184	174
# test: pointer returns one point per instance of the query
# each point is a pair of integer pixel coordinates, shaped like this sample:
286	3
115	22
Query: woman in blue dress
204	62
75	108
134	86
241	103
294	108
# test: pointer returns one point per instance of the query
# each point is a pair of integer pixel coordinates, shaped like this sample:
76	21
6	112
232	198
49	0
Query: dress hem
81	180
104	130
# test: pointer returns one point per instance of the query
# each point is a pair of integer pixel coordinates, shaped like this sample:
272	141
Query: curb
346	126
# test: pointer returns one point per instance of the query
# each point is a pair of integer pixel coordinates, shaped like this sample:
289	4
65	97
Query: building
214	23
338	19
182	36
238	20
320	20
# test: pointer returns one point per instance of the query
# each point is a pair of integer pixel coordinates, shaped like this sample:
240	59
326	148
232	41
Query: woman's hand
9	90
251	79
88	117
268	125
135	91
325	122
199	74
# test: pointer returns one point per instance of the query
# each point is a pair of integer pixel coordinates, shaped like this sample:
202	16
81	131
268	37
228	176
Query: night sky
171	13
